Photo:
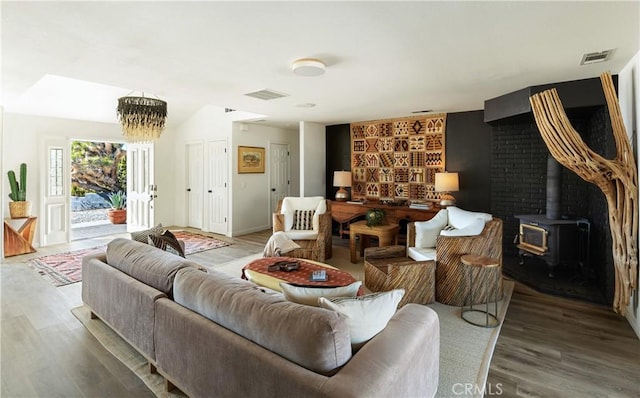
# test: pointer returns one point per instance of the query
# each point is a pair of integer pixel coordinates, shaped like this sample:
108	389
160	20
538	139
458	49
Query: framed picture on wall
250	159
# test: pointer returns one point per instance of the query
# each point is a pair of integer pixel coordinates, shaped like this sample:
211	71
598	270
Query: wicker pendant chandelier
142	118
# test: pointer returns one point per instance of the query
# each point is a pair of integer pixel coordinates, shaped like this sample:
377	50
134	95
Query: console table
18	235
344	212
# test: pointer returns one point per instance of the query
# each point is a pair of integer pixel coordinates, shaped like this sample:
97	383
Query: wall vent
593	58
266	94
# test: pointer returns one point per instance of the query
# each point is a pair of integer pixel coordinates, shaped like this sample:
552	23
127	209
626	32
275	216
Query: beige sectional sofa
212	334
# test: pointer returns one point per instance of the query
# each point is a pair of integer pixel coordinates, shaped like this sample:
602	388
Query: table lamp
446	183
342	179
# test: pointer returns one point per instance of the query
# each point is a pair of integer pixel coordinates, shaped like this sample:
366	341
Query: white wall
629	98
249	193
251	209
22	136
312	159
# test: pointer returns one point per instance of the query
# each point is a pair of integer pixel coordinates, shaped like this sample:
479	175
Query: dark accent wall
468	152
338	154
518	181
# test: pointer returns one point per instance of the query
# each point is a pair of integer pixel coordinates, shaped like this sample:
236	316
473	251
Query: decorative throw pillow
427	231
310	295
168	242
366	315
303	219
143	236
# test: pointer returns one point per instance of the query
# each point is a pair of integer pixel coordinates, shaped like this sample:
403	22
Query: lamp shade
446	182
341	178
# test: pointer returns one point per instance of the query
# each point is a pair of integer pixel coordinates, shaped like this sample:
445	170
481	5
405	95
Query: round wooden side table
474	266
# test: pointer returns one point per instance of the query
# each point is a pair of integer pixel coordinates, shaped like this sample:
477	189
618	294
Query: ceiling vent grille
593	58
266	94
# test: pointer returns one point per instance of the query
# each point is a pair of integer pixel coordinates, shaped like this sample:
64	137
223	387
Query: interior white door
55	182
195	184
279	173
141	191
216	208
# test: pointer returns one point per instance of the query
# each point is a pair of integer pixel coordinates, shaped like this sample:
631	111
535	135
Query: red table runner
301	276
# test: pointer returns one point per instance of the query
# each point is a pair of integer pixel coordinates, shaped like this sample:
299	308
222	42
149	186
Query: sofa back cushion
146	263
312	337
291	204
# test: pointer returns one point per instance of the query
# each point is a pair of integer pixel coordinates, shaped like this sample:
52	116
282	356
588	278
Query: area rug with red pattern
65	268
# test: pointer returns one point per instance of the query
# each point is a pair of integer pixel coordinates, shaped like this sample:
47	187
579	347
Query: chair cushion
291	204
366	315
472	229
422	254
310	295
427	231
459	218
301	235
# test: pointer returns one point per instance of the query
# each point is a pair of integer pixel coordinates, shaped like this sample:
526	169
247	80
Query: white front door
195	183
140	186
56	192
217	191
279	173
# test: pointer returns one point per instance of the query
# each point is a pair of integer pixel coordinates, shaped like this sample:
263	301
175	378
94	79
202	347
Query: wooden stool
484	278
18	236
417	278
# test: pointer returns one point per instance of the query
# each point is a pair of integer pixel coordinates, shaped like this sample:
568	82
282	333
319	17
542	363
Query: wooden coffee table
260	276
387	235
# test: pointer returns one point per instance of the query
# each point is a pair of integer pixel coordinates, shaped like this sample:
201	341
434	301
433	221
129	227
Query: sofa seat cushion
146	263
312	337
422	253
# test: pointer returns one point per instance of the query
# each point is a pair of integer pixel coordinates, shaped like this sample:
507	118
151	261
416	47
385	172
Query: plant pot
117	216
20	209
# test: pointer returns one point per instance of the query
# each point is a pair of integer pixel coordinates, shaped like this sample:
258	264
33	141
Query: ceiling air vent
266	94
593	58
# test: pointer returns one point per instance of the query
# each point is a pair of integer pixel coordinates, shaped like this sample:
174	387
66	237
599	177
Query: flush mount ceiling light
308	67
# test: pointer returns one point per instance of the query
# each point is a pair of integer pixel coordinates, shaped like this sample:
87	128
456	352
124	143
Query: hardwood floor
556	347
548	346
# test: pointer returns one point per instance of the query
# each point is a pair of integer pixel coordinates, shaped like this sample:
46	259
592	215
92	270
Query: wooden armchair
315	244
450	288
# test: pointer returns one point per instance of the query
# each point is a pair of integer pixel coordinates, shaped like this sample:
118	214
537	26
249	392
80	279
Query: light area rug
465	350
65	268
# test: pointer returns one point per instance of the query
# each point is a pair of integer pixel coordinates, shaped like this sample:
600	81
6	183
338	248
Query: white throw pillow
310	295
427	231
459	218
366	315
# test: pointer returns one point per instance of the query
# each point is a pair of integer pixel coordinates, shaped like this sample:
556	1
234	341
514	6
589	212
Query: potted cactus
118	212
19	207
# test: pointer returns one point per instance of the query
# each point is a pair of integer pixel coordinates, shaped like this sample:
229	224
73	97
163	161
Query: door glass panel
56	175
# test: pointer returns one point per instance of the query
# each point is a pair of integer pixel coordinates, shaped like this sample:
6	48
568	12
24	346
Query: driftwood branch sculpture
617	178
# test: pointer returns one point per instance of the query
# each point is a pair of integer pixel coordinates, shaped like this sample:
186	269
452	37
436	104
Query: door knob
273	189
210	191
188	189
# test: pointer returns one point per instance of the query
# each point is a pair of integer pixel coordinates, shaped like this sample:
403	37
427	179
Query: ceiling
384	59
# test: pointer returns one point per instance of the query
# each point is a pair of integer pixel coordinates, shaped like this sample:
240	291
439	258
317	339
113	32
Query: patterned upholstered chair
449	244
306	221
